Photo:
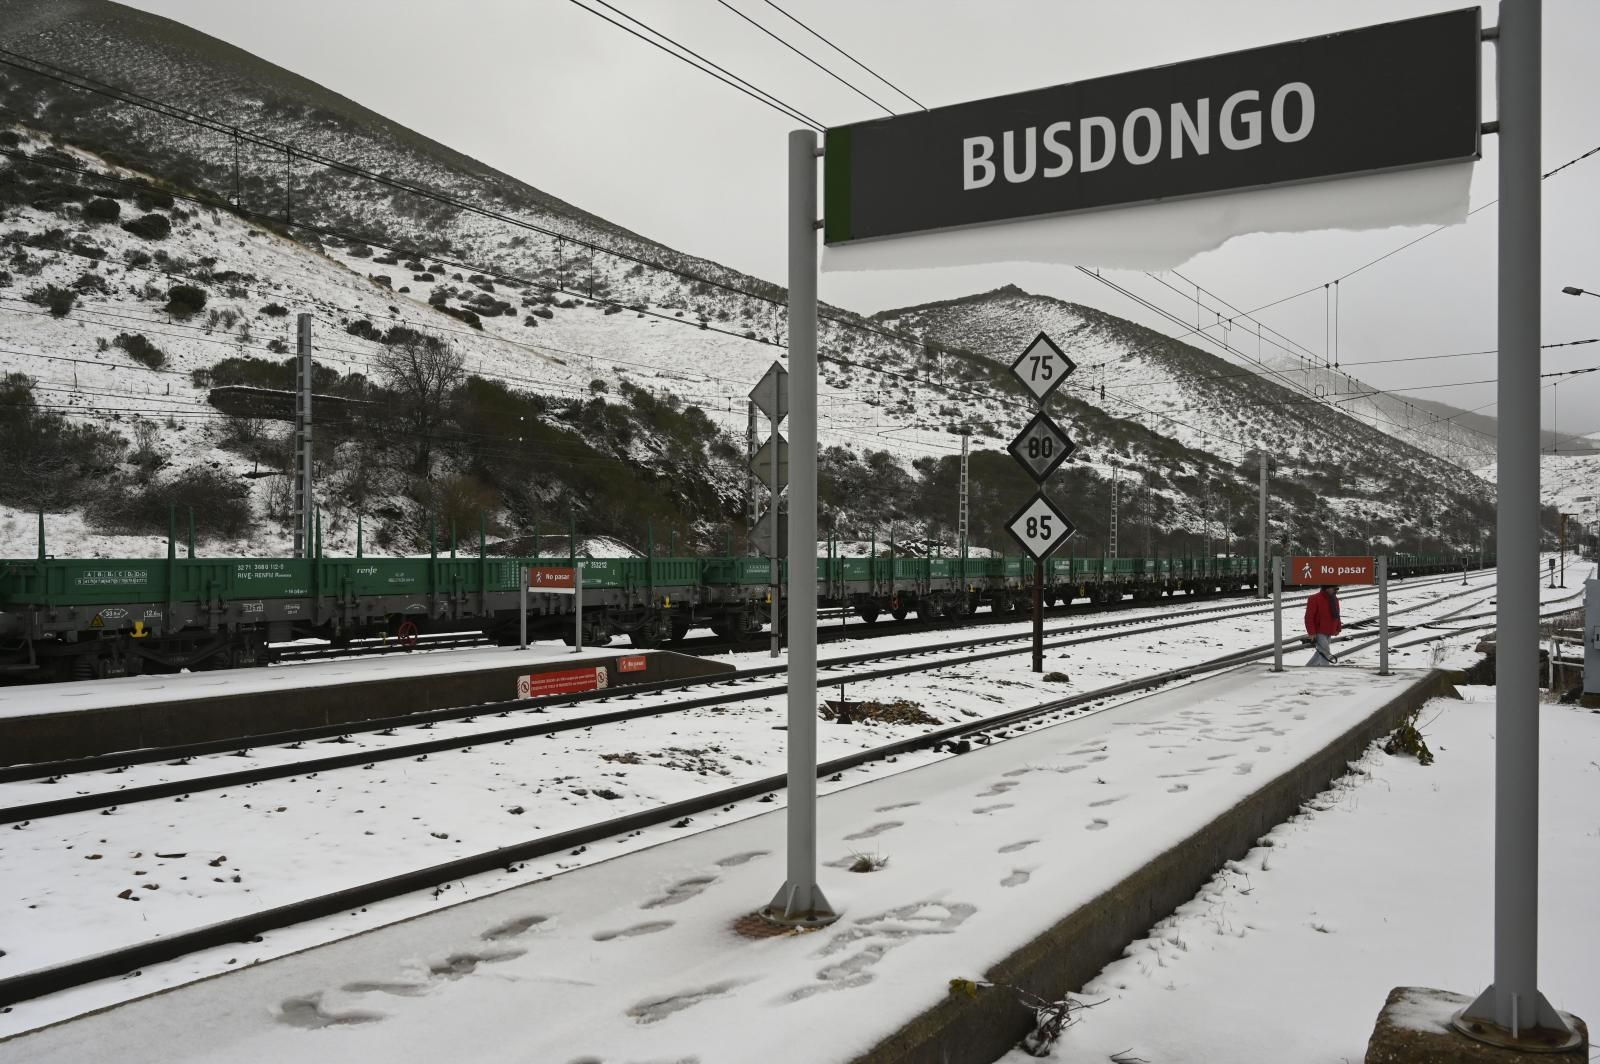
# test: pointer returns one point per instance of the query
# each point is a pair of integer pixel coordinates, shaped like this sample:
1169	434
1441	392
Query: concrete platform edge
964	1030
81	733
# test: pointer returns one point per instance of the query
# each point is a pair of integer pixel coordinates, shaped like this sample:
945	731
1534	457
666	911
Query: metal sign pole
522	613
1277	614
800	900
577	607
1261	534
1038	615
1512	1003
774	510
1383	615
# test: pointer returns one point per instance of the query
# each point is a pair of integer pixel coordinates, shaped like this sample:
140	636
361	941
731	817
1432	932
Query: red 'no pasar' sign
552	578
1335	570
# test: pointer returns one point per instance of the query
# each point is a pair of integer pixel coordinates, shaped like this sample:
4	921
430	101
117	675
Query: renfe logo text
1143	137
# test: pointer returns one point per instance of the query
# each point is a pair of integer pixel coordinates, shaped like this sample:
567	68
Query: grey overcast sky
553	95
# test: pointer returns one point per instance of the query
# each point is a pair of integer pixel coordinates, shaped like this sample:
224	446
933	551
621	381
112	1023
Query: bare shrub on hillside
51	463
221	504
424	375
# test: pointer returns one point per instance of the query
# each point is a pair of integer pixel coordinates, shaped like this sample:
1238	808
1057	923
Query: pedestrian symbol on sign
1305	574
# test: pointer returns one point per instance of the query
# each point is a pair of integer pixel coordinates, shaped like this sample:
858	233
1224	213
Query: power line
802	55
744	86
844	53
1417	240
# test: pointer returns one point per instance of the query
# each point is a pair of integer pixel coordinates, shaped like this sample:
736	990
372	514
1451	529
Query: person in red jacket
1322	623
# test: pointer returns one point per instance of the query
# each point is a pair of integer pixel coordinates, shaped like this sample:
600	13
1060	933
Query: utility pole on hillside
1116	505
304	500
754	505
1261	532
962	528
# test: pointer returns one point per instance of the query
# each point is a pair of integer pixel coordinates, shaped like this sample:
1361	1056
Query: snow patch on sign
1162	236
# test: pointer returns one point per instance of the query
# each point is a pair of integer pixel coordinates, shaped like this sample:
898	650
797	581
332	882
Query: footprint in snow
876	829
1177	788
1017	877
512	928
307	1012
741	858
1013	847
632	932
1097	824
680	892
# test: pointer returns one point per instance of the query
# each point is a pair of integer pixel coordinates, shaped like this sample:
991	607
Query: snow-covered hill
612	382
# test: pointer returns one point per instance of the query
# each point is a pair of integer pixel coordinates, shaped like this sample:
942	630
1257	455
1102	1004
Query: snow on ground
1384	880
292	838
633	959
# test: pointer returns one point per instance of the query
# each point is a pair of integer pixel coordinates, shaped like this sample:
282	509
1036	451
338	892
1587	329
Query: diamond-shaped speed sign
1042	367
771	395
1040	528
1041	446
761	464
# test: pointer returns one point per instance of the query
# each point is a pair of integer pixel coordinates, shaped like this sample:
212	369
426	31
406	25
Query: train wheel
647	634
869	614
407	634
898	613
680	630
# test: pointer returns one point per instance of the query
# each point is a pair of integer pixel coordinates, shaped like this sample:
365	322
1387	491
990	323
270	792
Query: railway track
953	737
744	686
917	656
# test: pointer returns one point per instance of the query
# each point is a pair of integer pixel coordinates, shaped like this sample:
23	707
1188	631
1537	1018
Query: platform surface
634	959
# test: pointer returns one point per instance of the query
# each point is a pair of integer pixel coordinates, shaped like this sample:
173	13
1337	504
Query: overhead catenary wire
826	70
844	53
738	82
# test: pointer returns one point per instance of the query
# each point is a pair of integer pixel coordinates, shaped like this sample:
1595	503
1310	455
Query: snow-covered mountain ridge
611	383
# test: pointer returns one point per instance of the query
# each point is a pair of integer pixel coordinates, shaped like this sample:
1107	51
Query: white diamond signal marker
1040	528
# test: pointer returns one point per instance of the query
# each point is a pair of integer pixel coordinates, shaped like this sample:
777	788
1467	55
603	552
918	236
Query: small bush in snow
102	210
136	258
358	251
153	199
363	328
273	310
89	281
185	300
220	503
150	227
463	315
141	350
59	300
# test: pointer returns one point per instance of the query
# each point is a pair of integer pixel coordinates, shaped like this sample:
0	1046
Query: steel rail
104	800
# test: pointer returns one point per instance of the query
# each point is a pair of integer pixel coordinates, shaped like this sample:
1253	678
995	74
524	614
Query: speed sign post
1040	448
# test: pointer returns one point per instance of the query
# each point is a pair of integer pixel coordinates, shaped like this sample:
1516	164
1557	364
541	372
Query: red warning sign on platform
1335	570
561	580
565	682
633	663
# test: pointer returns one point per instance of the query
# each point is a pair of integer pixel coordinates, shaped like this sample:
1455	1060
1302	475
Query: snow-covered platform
65	720
1035	861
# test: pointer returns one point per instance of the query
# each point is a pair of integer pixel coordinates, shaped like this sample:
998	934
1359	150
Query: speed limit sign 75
1042	367
1040	528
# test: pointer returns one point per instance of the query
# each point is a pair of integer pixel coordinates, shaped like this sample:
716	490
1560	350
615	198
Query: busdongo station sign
1388	97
